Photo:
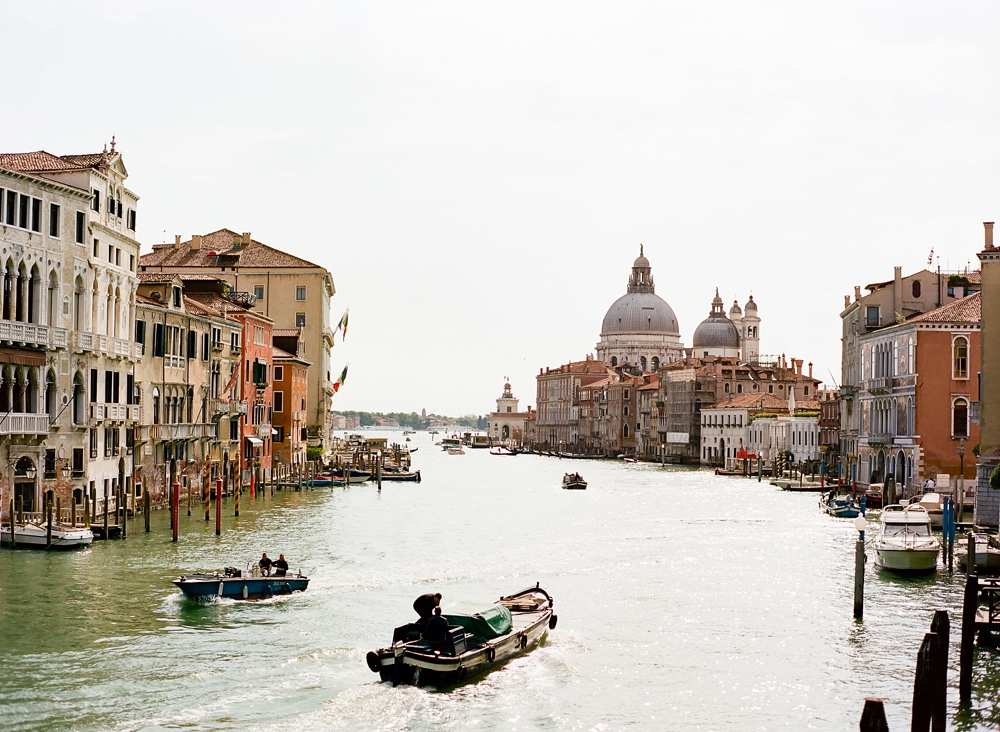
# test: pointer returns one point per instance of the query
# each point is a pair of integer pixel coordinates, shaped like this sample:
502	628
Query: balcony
235	349
171	432
33	335
879	438
217	346
17	423
263	431
878	385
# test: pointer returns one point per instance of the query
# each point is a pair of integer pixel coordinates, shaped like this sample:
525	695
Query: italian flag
343	377
342	326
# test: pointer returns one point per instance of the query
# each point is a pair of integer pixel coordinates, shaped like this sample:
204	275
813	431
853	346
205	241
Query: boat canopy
483	621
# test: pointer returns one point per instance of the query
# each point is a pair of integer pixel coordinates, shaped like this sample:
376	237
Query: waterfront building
188	354
647	439
829	428
640	328
291	390
286	290
692	384
615	407
762	424
507	425
66	354
558	393
886	304
911	389
987	510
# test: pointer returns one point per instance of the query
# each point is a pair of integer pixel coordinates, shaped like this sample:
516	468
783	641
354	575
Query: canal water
686	601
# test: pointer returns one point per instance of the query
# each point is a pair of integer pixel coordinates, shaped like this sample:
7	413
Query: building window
300	293
614	361
739	388
279	374
131	219
960	418
872	316
177	297
258	292
279	401
97	248
280	437
96	203
54	220
300	320
916	288
960	357
81	226
36	214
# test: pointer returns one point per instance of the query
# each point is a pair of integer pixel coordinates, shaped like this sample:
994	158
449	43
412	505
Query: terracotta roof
41	161
148	301
279	353
220	248
967	311
590	366
769	402
975	277
285	332
148	278
221	305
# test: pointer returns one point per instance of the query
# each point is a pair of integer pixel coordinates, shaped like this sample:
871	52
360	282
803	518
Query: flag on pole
340	381
232	381
342	325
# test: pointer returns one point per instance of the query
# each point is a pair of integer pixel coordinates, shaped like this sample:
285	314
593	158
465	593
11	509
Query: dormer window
177	297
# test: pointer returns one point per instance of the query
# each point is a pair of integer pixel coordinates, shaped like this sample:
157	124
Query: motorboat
987	555
401	476
480	639
35	536
574	481
456	450
501	450
839	506
904	541
873	496
354	477
934	503
235	584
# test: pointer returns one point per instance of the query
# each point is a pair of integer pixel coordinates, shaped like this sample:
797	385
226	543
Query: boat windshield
904	529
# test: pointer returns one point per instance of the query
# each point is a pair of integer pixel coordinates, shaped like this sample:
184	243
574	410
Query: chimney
196	242
810	369
177	241
847	301
857	293
897	293
246	238
988	226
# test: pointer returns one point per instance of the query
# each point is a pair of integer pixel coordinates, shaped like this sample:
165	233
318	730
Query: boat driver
265	564
425	604
436	631
281	566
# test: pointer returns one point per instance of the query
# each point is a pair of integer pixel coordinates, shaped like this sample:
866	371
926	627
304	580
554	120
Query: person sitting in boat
436	631
425	604
265	564
281	566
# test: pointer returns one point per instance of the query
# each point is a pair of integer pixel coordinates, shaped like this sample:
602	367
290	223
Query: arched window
614	360
156	405
656	363
642	363
916	288
190	404
625	411
78	399
625	431
739	388
727	388
50	395
960	357
960	418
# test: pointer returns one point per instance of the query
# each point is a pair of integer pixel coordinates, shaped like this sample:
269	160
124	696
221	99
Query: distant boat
455	450
501	450
574	481
232	584
36	536
400	476
839	506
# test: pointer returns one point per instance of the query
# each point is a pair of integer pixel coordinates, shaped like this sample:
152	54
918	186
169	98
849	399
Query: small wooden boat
723	471
232	584
456	451
480	638
400	476
35	536
501	450
319	480
839	506
574	481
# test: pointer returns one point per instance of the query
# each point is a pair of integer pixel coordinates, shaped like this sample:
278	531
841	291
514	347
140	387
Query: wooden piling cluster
930	684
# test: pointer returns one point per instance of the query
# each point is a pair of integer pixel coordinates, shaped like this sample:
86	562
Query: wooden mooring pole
48	523
13	537
970	604
218	506
941	629
175	507
859	578
145	507
873	716
923	685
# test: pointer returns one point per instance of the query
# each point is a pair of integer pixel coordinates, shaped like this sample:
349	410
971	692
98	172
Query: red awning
22	357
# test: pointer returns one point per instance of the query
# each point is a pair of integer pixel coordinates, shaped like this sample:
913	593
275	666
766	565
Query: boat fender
288	588
491	654
246	591
222	587
524	641
267	590
552	621
374	662
462	673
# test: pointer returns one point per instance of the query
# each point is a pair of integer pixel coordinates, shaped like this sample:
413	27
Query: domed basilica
641	329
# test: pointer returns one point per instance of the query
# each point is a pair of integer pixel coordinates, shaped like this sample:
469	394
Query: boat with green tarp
480	638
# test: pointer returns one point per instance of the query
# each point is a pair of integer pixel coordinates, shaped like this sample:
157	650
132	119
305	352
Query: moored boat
35	536
574	481
934	504
400	476
839	506
501	450
456	450
236	585
904	542
480	638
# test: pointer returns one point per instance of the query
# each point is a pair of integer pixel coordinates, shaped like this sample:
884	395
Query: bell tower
507	403
751	333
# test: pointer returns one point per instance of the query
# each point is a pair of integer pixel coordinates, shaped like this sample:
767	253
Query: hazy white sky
478	178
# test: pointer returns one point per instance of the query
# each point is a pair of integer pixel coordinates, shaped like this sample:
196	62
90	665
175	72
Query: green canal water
686	601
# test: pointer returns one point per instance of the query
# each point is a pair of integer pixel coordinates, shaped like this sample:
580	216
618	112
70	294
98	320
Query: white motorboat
456	450
904	541
35	536
934	503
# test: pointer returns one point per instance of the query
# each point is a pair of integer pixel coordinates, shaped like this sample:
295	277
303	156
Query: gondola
574	481
409	477
480	638
236	585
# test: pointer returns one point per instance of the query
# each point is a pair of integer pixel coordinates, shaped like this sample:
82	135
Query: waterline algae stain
685	600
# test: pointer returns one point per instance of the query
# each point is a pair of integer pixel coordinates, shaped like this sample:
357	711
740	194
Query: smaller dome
641	261
716	333
735	309
751	305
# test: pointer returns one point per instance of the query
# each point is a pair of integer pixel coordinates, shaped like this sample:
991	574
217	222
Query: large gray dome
716	333
640	312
